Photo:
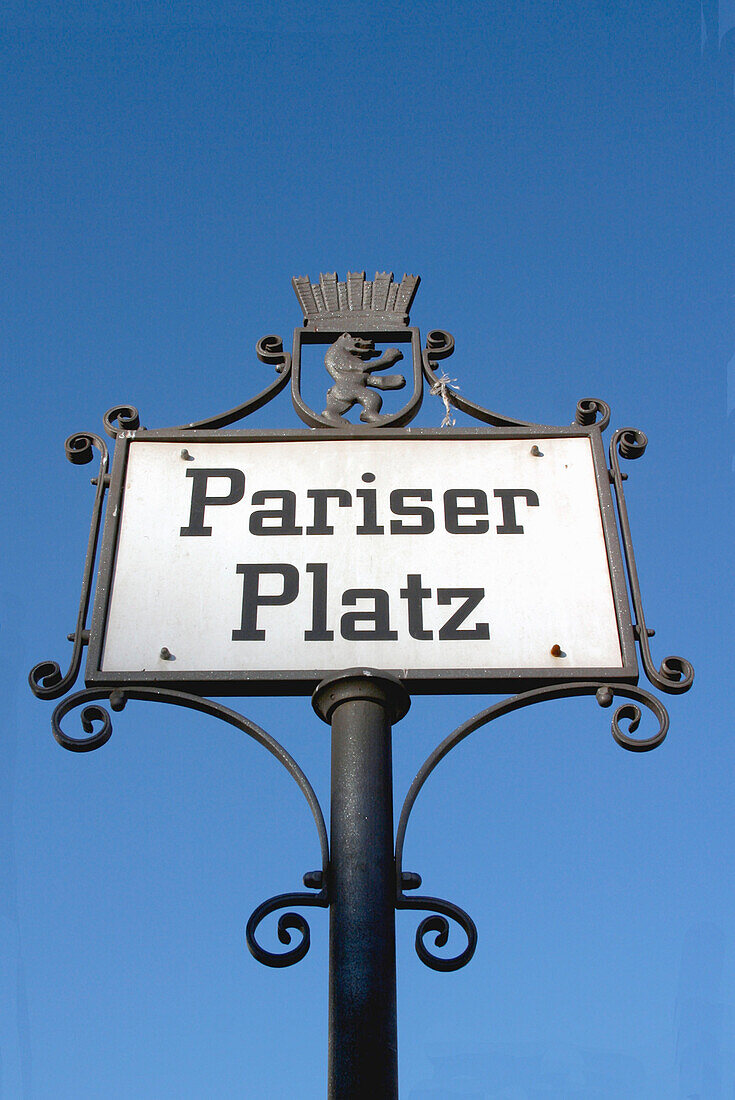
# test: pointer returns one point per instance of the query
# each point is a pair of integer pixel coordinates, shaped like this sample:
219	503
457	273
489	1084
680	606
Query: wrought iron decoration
348	318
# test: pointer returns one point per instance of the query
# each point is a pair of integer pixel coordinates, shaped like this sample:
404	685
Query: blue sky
561	176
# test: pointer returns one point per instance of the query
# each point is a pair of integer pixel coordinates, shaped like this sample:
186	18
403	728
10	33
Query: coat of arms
350	318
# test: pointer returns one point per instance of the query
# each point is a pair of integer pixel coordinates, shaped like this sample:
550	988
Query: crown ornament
355	305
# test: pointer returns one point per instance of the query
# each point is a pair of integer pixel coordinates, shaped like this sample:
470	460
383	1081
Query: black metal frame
364	687
418	681
92	713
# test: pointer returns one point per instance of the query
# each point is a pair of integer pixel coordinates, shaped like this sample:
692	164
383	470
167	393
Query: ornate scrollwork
89	714
630	712
121	418
269	349
588	409
437	922
440	345
46	679
366	307
630	442
287	923
675	674
118	699
79	448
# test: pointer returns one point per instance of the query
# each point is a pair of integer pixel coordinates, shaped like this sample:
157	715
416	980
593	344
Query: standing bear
346	361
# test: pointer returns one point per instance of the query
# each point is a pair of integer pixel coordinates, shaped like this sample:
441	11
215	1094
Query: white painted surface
548	586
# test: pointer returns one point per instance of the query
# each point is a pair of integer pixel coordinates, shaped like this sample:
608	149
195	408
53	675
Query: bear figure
347	362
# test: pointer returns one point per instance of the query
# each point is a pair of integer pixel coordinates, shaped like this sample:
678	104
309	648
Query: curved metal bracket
46	679
440	345
92	714
675	674
439	924
269	349
627	712
287	923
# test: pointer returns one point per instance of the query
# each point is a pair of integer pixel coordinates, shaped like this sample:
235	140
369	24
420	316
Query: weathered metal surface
348	361
361	706
355	304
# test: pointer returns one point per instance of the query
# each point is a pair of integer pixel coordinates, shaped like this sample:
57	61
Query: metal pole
361	705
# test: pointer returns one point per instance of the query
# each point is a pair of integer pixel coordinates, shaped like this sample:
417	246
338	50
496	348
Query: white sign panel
299	556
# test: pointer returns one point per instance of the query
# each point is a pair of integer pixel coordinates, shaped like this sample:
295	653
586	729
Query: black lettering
286	514
399	507
370	524
318	631
472	597
200	500
453	510
378	615
252	598
510	525
415	595
320	498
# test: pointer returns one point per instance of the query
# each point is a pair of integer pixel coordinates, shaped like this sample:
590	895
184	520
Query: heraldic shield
349	318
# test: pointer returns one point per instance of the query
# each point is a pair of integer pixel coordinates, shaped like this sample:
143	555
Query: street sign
236	561
360	560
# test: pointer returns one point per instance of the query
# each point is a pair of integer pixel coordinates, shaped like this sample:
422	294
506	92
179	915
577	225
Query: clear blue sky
562	177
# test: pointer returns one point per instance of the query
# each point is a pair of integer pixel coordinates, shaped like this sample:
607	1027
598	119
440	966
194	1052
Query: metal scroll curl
287	923
675	674
90	713
625	723
438	923
121	418
440	345
46	679
588	409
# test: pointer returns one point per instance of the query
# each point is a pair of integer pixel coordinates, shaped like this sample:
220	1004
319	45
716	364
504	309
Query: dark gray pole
361	705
